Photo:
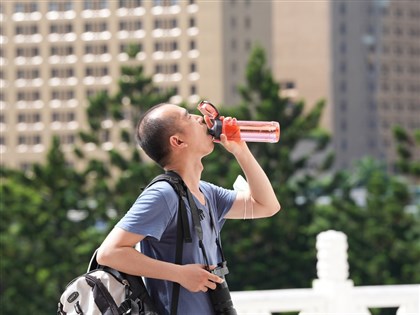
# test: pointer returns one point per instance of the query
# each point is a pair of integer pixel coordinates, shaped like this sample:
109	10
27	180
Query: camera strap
199	230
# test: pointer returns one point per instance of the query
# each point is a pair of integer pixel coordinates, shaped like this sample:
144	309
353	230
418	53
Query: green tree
275	252
406	146
116	177
369	206
47	228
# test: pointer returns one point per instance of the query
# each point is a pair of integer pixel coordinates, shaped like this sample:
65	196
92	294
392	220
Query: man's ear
177	142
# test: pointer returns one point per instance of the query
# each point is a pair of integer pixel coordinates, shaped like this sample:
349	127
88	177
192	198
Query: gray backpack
103	290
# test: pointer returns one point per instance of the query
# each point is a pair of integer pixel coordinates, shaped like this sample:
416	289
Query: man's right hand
196	278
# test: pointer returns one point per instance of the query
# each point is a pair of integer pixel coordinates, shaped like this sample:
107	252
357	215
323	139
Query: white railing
332	293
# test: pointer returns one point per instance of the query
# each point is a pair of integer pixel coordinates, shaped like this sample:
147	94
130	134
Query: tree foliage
42	244
117	174
262	252
368	205
407	144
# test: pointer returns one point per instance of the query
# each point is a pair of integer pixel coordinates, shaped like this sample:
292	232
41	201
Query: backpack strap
178	185
102	297
139	294
137	287
183	229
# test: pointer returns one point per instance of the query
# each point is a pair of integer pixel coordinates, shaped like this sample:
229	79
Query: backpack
103	290
106	291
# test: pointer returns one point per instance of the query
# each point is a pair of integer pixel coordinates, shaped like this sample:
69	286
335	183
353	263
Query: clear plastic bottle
250	131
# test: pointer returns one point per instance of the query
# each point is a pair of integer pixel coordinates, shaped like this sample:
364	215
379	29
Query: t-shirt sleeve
221	199
152	212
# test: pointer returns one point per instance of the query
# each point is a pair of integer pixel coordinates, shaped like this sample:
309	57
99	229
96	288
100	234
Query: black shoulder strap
183	228
101	295
178	185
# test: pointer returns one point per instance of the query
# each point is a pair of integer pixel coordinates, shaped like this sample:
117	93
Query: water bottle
236	130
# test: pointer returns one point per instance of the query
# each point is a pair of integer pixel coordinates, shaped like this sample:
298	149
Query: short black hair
153	135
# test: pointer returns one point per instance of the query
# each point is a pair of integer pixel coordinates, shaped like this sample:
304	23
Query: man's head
153	131
166	128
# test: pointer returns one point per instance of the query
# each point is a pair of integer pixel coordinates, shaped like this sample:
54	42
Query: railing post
333	273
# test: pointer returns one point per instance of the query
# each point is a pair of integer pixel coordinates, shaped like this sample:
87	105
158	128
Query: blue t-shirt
153	215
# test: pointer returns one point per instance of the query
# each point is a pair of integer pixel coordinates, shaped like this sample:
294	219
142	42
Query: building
363	58
55	54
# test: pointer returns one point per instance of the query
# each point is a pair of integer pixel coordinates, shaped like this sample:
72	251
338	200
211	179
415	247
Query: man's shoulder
161	185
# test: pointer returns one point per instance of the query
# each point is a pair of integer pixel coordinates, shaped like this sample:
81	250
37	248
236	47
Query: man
177	141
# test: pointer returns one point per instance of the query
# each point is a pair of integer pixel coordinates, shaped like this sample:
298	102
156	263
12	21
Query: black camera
220	297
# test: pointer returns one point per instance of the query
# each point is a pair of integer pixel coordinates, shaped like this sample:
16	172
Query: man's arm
118	252
260	201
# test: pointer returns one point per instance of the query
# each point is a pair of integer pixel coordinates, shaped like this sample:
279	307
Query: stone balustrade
332	293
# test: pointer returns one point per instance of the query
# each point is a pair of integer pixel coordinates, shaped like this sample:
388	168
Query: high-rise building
363	58
55	54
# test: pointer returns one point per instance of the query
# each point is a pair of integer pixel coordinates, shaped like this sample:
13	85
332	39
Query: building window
192	22
193	90
96	49
61	51
61	28
130	26
95	4
166	68
62	95
29	139
193	45
26	30
166	46
96	27
233	44
62	73
130	4
248	45
28	74
26	7
67	139
247	22
342	8
27	52
96	71
29	118
60	6
28	96
193	67
343	67
343	87
343	106
343	29
161	23
165	2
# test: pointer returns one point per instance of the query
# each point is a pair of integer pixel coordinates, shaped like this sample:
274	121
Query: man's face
192	129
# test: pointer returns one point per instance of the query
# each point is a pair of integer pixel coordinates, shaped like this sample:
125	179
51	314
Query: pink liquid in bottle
251	131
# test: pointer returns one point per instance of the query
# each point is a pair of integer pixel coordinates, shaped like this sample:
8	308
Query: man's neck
189	172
